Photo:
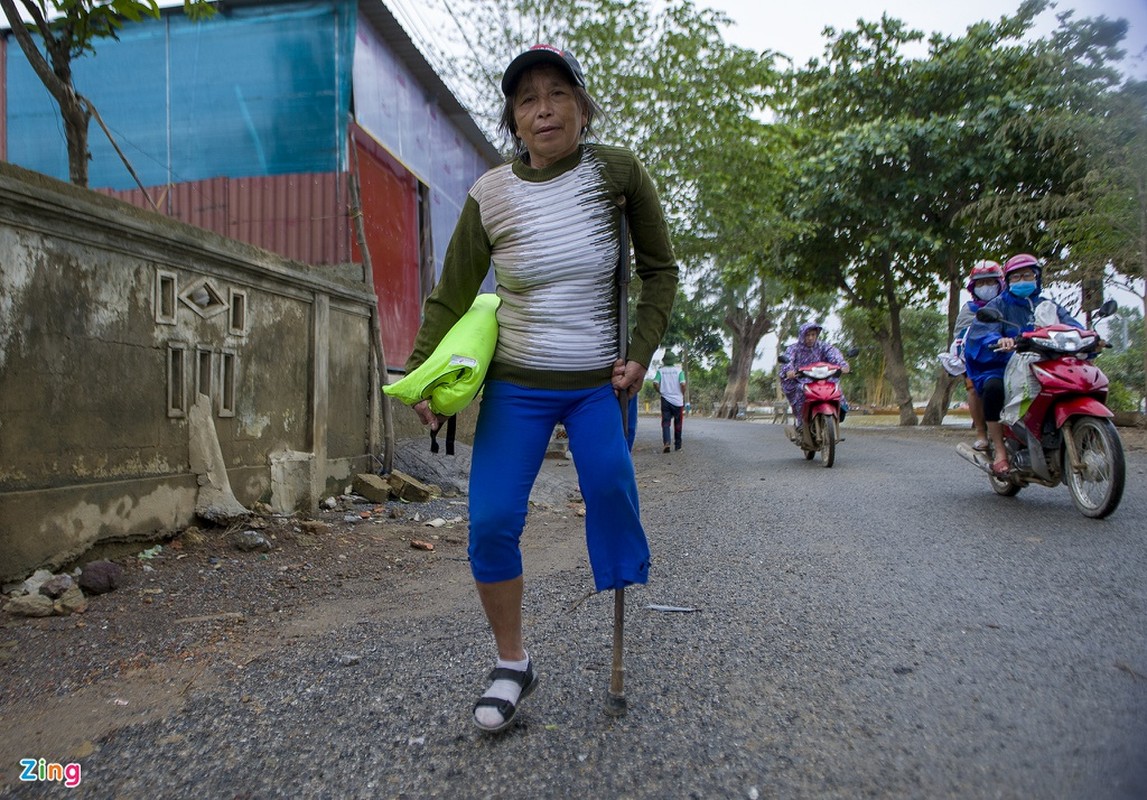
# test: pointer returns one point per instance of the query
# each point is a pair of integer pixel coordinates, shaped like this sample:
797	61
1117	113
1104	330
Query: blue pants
514	428
631	422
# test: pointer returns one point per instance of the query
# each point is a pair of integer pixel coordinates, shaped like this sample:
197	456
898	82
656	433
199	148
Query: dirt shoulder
197	607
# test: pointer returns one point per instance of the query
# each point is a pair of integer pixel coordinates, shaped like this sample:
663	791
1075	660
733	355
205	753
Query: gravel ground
343	663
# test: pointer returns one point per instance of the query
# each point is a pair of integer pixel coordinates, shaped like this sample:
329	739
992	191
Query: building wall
395	108
240	124
302	217
111	321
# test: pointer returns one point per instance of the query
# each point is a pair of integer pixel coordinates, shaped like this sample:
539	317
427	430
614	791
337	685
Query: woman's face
548	116
1023	274
810	337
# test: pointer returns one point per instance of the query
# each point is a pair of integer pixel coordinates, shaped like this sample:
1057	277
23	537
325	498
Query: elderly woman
549	222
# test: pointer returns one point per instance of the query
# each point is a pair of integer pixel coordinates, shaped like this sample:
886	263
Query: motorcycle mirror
986	314
852	351
1108	308
782	358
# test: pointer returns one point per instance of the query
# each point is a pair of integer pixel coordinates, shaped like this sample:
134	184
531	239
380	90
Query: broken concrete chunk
37	579
71	602
56	585
30	605
404	487
372	487
215	501
250	541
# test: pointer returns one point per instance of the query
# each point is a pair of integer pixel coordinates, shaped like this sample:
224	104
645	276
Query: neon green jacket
451	377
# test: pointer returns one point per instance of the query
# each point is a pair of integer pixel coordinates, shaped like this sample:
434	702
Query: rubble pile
47	594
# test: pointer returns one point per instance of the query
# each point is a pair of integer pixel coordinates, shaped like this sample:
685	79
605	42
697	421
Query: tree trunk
737	383
892	341
746	331
940	399
1143	386
76	118
57	79
942	392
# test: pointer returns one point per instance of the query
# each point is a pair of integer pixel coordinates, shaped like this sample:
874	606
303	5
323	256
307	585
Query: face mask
986	292
1022	288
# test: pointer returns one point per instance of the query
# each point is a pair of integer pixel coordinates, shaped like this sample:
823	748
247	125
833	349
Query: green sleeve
463	270
654	264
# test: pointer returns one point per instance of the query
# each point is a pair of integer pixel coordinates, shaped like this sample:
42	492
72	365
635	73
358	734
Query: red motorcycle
1065	434
819	429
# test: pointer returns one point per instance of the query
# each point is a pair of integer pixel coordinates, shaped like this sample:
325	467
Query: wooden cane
615	704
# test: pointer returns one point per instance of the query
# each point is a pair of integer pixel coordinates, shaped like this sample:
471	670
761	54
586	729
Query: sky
795	28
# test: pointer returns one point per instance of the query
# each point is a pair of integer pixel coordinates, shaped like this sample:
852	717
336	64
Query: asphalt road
885	628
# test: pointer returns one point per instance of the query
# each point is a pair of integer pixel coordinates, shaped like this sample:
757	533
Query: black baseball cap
542	54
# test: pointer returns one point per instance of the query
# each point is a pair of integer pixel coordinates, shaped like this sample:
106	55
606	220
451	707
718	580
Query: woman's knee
496	519
495	546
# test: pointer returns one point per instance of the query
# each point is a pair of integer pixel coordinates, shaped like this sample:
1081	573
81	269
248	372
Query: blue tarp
272	84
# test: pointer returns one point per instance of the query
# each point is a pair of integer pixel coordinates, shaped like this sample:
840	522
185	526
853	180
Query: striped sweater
552	237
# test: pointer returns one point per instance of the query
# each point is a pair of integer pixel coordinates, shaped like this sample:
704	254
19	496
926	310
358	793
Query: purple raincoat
800	355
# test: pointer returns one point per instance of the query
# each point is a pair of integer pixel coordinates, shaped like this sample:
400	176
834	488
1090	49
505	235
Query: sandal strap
521	677
504	707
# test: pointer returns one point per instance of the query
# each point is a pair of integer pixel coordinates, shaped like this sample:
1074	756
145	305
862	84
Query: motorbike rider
807	349
985	283
989	345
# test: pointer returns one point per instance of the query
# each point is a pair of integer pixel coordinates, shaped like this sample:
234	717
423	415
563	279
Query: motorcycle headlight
820	373
1064	341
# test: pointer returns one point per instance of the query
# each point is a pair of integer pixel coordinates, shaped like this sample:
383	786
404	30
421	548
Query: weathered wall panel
95	296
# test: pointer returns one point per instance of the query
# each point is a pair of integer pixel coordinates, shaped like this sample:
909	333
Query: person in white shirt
670	382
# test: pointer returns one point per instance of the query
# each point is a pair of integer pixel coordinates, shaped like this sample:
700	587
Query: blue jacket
982	361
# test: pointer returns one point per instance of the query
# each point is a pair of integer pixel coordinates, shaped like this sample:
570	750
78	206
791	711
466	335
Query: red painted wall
390	213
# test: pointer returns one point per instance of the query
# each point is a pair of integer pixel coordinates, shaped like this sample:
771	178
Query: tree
854	166
907	157
68	30
747	324
1103	237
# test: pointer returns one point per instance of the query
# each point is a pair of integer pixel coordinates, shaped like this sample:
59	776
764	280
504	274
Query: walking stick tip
615	705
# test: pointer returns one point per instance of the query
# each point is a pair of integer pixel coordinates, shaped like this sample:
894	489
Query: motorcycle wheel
1098	488
826	436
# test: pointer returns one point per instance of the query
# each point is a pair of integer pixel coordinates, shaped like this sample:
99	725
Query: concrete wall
111	320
